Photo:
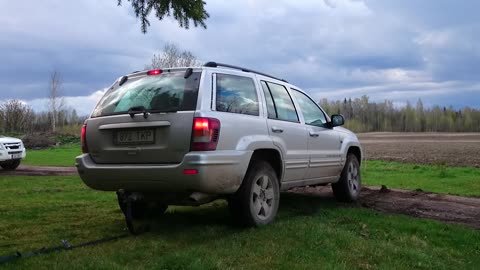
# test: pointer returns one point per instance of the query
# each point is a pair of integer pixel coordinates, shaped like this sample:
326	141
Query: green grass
55	156
463	181
309	233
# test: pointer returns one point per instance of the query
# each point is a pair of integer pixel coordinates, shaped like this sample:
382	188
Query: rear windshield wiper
136	110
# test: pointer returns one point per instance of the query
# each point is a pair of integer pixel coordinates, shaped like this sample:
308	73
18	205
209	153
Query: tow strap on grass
126	198
65	246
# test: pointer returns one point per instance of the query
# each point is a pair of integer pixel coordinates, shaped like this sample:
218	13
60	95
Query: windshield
167	92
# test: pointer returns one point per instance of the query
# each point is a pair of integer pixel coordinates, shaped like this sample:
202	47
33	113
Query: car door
323	142
286	130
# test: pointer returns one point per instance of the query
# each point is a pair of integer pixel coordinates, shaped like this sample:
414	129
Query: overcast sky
396	50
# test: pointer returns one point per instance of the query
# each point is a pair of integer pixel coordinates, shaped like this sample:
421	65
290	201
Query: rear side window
168	92
282	102
236	94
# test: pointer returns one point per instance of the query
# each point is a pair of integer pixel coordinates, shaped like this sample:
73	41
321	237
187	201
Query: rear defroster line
66	246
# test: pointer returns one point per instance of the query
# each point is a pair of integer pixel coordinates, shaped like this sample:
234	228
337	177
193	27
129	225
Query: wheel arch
273	157
356	151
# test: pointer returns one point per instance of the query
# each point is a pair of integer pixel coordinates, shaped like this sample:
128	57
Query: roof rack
215	64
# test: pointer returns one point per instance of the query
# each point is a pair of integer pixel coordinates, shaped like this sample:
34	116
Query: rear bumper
219	172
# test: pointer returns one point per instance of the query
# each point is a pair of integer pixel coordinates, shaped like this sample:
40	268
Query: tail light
83	139
205	134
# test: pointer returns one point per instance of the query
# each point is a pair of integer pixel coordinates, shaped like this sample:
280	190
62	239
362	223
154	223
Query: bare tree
173	56
56	101
16	116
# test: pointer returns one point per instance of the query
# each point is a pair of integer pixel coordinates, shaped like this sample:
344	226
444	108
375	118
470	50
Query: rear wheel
347	189
10	165
256	202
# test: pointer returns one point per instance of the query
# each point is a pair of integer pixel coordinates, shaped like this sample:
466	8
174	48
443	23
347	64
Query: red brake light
83	139
205	134
190	171
154	72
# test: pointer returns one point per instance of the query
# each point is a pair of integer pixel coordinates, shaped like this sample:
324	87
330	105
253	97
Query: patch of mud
442	207
41	171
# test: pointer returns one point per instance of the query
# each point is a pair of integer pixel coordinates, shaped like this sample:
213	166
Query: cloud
84	105
348	46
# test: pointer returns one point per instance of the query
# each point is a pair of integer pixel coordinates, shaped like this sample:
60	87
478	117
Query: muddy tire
142	210
347	189
256	202
10	165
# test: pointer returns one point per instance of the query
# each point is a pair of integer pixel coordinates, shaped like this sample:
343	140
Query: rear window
168	92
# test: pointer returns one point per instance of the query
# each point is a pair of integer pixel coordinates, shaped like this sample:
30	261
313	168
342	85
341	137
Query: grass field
464	181
55	156
309	233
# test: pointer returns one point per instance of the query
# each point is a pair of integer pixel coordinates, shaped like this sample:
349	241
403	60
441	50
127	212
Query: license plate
134	136
17	156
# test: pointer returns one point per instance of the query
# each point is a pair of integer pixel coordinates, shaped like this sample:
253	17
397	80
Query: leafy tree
362	115
182	10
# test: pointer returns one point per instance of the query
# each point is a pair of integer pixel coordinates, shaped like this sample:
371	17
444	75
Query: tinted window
283	104
236	94
310	110
270	105
165	92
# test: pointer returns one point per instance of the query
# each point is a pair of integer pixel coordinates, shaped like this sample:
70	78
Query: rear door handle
277	130
313	134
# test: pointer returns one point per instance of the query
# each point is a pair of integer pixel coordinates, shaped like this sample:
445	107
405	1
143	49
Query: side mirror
337	120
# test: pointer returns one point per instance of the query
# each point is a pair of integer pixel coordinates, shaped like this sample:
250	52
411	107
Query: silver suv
187	136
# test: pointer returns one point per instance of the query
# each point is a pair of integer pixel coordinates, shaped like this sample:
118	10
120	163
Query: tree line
363	115
18	117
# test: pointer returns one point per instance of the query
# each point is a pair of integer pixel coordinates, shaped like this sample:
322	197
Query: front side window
236	94
311	112
282	102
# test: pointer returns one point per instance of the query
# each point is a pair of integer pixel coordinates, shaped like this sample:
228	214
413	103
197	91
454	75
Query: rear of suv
187	136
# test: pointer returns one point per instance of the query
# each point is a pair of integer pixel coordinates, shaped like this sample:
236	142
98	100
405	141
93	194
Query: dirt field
40	171
453	149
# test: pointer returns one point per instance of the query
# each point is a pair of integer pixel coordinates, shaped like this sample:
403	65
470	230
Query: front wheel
347	189
10	165
256	202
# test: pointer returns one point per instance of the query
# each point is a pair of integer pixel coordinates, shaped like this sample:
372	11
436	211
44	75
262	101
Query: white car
12	152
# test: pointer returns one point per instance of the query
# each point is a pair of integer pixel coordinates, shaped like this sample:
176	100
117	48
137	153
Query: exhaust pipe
200	198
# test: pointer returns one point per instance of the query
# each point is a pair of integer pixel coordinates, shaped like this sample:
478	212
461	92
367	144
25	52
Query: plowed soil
452	149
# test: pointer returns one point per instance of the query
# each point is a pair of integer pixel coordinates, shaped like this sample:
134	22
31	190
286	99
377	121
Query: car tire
347	189
10	165
142	209
256	201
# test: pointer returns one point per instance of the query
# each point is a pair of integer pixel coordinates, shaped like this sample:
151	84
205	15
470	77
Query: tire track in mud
415	203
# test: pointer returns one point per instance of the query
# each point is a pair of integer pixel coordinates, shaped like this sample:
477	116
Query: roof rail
215	64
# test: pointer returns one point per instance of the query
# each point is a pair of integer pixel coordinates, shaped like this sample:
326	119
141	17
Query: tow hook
127	199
